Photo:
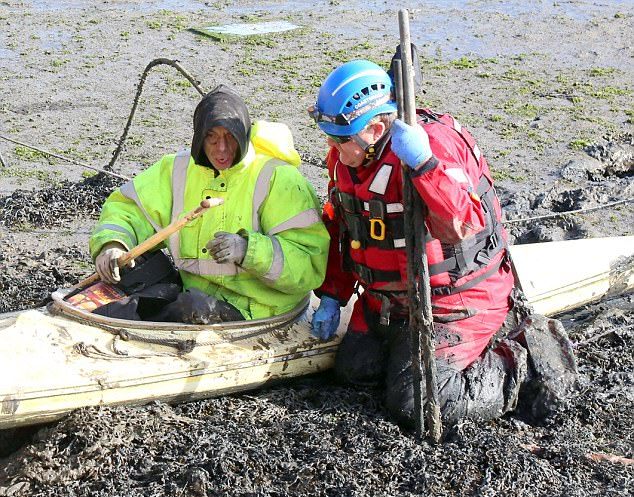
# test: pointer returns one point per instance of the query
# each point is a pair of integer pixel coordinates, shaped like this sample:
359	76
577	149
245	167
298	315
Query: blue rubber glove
410	144
326	318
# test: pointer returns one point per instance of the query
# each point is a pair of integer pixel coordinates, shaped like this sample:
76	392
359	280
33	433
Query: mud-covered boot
552	368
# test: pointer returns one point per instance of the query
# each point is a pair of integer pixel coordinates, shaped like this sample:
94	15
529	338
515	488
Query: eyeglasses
339	139
339	119
318	116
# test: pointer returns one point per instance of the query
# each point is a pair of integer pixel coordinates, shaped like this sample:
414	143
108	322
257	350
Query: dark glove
326	318
107	264
410	144
227	247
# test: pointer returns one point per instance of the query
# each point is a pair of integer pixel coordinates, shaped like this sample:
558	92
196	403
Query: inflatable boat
62	357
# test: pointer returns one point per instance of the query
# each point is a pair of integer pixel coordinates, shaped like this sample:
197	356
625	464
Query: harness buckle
482	257
373	229
377	209
441	290
493	241
365	273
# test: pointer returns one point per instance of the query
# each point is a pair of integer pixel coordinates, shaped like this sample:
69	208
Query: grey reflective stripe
278	261
129	191
457	126
113	227
301	220
476	152
381	179
399	243
202	267
179	178
207	267
389	208
261	191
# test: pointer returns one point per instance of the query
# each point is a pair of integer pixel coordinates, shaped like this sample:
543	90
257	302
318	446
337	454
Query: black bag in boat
155	267
154	292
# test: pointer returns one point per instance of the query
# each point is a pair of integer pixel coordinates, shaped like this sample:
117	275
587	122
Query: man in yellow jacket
263	250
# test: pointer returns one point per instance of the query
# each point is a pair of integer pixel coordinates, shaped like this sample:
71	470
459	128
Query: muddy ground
545	87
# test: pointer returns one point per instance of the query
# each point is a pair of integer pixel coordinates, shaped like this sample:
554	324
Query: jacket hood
274	140
221	107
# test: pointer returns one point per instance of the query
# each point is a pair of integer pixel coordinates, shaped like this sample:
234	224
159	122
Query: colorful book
95	296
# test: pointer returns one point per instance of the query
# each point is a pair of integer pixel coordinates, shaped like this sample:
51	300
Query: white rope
561	214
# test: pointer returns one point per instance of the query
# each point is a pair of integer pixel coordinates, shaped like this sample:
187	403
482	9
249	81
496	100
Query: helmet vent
351	95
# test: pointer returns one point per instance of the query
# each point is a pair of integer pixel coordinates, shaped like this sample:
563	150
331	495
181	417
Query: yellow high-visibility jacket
264	194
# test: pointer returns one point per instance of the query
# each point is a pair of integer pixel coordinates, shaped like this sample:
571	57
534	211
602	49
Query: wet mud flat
546	91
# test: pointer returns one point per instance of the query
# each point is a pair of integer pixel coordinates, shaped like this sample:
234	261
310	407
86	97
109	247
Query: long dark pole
420	312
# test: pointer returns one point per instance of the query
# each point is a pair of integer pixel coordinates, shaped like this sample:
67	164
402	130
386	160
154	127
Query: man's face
220	147
350	153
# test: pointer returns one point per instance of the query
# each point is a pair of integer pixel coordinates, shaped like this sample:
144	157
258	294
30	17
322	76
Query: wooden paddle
153	241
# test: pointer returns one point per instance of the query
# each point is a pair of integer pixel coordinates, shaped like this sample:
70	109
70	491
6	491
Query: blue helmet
350	96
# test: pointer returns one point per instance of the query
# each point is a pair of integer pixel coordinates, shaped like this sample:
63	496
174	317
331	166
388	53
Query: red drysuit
470	276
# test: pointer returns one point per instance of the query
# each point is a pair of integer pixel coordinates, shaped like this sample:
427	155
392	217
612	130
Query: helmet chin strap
368	148
371	149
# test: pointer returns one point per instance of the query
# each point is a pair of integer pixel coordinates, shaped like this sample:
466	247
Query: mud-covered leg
486	389
361	358
552	371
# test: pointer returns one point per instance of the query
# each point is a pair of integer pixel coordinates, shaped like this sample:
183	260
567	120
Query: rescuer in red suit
480	370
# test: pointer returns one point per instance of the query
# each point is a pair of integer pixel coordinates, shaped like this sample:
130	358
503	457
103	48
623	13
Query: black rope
155	62
61	157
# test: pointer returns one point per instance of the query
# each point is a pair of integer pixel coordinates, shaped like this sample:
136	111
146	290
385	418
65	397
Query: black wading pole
418	288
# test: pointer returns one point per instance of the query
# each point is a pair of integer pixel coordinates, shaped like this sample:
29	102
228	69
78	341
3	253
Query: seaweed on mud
28	277
314	437
54	206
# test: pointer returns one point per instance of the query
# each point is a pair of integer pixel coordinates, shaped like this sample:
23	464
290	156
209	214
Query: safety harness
376	223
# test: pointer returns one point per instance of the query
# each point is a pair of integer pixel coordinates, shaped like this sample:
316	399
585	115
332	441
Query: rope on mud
152	64
566	213
124	135
61	157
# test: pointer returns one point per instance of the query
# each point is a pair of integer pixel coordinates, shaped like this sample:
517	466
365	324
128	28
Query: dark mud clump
313	437
603	178
617	155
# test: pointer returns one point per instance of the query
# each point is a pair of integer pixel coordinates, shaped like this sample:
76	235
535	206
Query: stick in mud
420	315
